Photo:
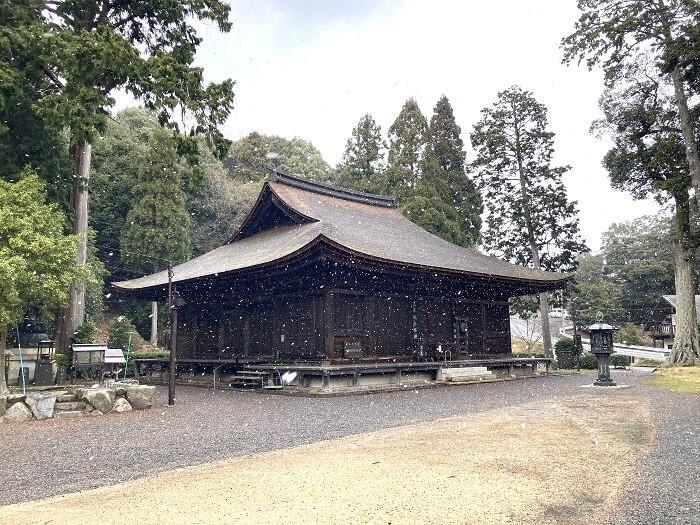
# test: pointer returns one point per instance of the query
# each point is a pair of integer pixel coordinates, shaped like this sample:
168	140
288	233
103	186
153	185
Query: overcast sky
312	68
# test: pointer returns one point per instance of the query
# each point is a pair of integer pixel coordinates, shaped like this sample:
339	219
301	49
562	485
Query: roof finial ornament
599	317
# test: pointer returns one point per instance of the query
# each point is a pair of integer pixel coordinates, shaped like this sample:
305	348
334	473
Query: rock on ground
121	405
140	396
100	398
18	412
41	404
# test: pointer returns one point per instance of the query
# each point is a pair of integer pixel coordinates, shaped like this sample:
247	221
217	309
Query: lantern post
602	347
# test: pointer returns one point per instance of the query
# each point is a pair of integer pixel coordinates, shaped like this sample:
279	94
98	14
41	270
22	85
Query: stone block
100	398
140	396
66	398
18	412
70	405
41	404
3	405
15	398
121	405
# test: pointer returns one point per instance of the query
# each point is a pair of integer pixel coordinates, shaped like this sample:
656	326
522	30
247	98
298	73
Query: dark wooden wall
312	313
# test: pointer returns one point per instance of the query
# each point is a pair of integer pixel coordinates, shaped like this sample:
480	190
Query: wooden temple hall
339	287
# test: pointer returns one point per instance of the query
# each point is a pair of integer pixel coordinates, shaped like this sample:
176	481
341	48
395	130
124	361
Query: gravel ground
40	459
529	464
44	458
665	490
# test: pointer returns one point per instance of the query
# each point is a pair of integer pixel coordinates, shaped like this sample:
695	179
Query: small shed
97	357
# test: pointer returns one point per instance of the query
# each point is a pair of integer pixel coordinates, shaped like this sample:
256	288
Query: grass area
678	379
522	346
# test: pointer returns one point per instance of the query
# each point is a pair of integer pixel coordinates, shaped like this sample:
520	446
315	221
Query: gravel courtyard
41	459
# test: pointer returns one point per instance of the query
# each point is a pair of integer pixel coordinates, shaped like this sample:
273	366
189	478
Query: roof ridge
333	191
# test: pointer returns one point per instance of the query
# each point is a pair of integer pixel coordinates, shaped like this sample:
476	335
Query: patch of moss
678	379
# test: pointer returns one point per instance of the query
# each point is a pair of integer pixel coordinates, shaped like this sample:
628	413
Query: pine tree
157	225
530	220
447	173
408	138
362	166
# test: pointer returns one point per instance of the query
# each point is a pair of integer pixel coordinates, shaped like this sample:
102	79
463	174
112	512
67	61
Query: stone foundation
76	401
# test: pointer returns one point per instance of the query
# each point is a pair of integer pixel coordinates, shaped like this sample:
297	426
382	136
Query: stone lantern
602	347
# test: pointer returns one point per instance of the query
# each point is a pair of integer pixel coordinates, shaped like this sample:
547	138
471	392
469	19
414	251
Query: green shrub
159	354
62	360
587	361
529	355
565	345
86	333
629	334
119	331
620	360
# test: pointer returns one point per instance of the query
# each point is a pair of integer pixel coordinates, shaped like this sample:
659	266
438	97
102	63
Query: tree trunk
544	321
74	314
154	323
688	128
686	343
3	379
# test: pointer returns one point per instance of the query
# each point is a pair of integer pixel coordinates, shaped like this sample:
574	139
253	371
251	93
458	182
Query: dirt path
561	461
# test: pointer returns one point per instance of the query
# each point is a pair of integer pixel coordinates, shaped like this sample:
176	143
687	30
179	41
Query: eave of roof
363	225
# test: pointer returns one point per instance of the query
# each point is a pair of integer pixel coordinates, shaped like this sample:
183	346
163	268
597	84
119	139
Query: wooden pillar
173	353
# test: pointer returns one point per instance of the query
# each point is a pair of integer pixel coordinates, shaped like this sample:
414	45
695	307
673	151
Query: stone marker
140	396
121	405
41	404
18	412
100	398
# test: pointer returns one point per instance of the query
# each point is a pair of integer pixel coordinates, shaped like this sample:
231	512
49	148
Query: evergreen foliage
120	332
362	167
530	220
250	158
157	225
648	158
117	159
217	205
445	170
408	138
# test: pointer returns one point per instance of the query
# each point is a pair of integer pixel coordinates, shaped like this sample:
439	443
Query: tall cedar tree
408	138
32	243
648	159
88	49
158	225
530	220
456	188
362	166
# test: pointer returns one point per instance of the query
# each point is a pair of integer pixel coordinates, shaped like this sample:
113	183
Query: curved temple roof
293	214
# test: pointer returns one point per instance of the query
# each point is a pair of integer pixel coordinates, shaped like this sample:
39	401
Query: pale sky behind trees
312	68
